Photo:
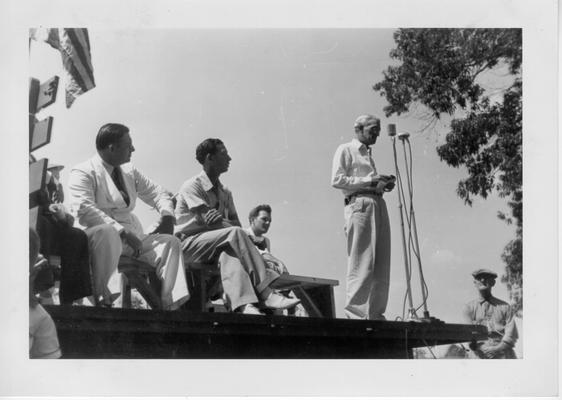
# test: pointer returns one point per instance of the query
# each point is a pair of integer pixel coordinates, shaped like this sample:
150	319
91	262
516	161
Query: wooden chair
204	284
141	276
316	294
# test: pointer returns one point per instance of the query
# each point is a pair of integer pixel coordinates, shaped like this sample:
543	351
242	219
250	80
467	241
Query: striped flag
74	45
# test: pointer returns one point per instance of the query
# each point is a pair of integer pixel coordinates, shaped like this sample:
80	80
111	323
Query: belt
348	199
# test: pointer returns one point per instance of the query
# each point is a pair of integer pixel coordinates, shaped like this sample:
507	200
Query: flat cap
484	271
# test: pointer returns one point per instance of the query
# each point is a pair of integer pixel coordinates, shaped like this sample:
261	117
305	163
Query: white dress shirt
352	168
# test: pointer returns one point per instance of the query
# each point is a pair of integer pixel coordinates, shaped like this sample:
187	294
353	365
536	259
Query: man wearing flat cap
367	226
54	187
495	314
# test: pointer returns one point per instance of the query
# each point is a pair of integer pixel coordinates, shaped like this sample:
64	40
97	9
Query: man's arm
511	334
232	214
153	194
341	178
156	196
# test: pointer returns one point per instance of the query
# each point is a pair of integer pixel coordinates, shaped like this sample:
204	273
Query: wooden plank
34	85
37	173
39	133
287	282
47	93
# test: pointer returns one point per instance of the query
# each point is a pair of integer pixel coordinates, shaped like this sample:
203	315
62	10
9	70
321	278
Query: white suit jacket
95	200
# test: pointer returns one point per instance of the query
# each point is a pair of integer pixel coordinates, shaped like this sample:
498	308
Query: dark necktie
118	180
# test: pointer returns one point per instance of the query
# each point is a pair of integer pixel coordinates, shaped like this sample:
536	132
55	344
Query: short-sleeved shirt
496	315
196	192
43	340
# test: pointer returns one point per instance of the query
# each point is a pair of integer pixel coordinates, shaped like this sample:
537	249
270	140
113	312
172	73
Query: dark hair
207	146
110	134
256	210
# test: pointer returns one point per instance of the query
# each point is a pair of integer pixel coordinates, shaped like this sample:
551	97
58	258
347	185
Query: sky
282	100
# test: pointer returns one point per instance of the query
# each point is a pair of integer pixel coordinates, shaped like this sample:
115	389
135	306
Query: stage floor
100	333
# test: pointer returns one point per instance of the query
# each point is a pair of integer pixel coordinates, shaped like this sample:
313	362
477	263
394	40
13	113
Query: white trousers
243	272
160	250
367	230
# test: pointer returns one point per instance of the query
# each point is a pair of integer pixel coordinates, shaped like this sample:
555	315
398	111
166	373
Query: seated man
103	196
493	313
210	229
59	238
260	221
43	339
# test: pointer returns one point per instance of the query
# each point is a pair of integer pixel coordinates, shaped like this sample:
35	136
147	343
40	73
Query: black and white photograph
359	199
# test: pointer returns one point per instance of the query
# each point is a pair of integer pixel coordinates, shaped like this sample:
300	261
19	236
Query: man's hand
166	225
41	262
389	186
133	241
383	183
274	263
493	351
212	217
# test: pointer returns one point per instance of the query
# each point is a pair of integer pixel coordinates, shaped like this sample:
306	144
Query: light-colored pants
160	250
367	230
243	272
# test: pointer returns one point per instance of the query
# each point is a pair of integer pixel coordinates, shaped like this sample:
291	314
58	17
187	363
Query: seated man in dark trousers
208	224
59	238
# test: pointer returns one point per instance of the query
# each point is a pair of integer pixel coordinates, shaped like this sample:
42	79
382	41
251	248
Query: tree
441	70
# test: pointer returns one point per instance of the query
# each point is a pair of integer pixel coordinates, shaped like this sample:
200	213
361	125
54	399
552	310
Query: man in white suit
103	193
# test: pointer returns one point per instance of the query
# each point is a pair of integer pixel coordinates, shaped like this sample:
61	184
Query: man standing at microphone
367	226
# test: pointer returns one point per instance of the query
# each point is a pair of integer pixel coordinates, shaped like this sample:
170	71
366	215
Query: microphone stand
412	316
411	309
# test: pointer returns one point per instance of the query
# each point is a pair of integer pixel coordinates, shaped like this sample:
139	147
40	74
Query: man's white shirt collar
108	167
206	182
357	144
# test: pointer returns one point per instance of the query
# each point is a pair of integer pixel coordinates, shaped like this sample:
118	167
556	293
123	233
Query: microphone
403	135
391	129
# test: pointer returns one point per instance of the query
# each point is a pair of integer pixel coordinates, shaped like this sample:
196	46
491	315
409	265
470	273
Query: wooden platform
91	332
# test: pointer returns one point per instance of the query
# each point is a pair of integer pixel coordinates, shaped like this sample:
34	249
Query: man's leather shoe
276	301
249	309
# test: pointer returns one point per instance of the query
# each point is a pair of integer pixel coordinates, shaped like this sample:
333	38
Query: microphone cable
413	245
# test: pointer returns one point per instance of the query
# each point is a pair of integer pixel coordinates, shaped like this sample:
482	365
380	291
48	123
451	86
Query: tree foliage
439	68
